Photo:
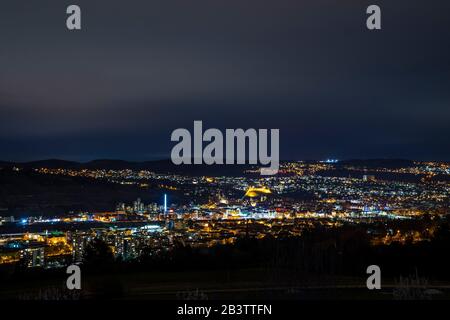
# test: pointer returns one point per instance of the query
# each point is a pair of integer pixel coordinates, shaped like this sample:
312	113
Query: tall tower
165	203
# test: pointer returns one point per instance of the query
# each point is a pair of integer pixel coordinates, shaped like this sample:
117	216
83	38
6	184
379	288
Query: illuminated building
370	178
79	242
33	256
255	192
138	206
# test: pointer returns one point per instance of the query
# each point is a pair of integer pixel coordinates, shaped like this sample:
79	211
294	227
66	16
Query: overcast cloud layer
140	69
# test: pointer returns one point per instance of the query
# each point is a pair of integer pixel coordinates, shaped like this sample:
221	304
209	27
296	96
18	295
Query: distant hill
109	164
378	163
4	164
26	193
49	163
161	166
166	165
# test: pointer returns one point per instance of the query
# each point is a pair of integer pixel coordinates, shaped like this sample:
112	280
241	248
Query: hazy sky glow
140	69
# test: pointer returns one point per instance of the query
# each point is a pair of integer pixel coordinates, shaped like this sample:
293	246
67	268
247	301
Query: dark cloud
140	69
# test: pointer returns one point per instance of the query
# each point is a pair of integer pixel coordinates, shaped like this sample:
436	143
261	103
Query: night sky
140	69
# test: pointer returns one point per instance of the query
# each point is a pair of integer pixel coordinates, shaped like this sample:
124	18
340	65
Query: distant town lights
331	161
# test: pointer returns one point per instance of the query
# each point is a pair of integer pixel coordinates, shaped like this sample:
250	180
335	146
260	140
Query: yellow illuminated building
255	192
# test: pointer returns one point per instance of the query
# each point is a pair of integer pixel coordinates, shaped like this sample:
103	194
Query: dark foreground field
306	268
215	285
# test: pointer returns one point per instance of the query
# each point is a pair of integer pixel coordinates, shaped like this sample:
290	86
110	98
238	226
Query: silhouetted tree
98	255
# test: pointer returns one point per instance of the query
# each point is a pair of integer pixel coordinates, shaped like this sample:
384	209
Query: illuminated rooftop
255	192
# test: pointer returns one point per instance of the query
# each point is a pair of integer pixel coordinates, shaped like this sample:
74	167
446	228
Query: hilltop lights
330	161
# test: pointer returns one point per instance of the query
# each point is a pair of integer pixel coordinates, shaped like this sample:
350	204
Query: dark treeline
345	251
320	252
342	251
